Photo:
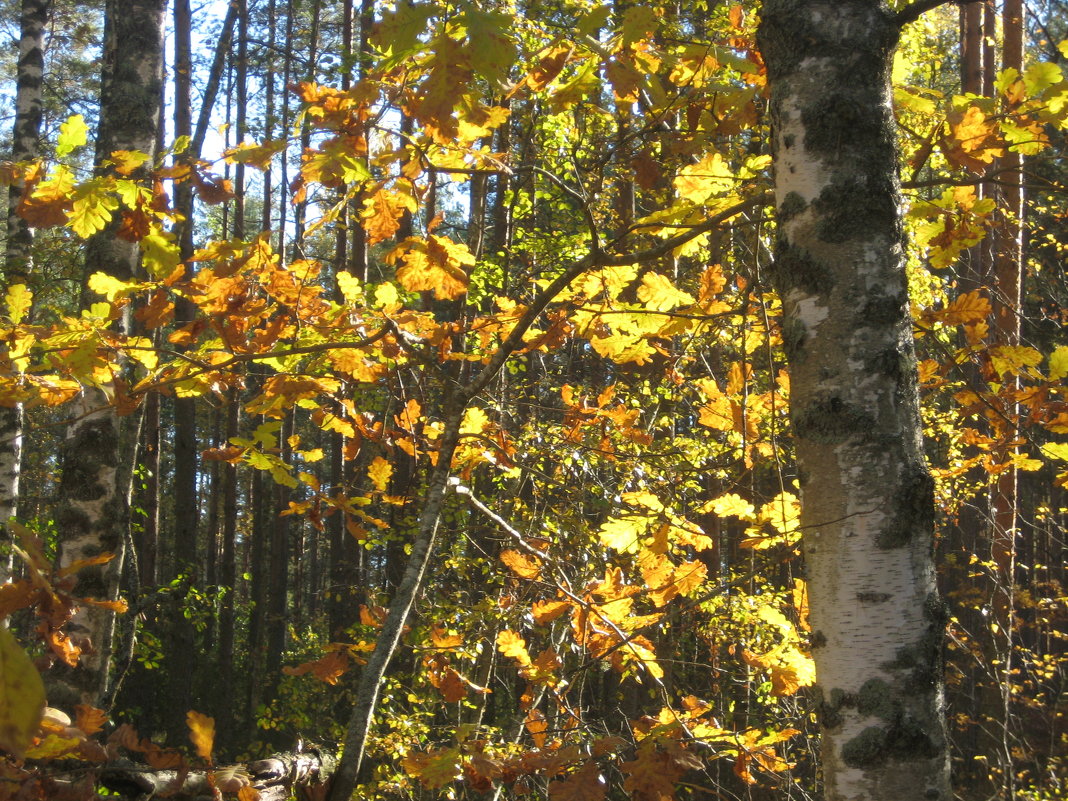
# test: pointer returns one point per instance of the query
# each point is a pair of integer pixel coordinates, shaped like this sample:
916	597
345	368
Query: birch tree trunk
867	496
94	515
18	259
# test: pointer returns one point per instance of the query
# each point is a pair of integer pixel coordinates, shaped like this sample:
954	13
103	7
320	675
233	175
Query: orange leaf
512	645
537	726
162	758
442	639
551	62
379	472
89	719
213	189
328	669
528	567
547	611
74	567
201	733
452	687
373	616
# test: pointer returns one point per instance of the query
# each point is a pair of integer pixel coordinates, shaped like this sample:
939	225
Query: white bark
94	515
18	259
867	500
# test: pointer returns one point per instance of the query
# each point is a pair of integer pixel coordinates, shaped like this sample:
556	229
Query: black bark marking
794	268
912	512
831	420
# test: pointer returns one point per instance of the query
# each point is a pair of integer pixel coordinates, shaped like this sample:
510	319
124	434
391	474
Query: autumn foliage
616	606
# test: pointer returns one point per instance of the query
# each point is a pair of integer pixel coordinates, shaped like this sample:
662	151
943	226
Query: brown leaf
585	784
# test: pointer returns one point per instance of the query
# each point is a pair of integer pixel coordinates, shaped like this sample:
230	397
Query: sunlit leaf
73	133
379	472
201	733
523	565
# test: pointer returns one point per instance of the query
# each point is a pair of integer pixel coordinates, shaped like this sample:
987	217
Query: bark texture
94	516
867	496
18	259
279	777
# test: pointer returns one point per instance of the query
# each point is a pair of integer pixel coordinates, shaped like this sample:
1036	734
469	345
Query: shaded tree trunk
18	260
94	514
228	582
181	644
867	496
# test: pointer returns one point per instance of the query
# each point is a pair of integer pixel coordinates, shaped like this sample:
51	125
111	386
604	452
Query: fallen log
306	773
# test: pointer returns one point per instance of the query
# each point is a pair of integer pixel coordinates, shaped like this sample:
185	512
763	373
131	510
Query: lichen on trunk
867	496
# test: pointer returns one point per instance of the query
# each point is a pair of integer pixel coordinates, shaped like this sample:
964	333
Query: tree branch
913	12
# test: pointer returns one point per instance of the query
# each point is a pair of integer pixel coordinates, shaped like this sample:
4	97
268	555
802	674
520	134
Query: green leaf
593	21
72	134
22	696
399	30
639	22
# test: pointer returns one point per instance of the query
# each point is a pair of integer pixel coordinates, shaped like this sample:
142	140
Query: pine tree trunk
228	582
867	496
241	124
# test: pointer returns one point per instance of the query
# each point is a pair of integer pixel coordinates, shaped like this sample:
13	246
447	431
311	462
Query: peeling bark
867	496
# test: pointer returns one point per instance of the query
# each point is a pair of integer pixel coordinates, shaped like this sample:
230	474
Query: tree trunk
241	90
181	645
94	515
18	260
228	582
867	496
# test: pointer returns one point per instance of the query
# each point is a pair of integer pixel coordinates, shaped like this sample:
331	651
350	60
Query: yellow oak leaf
730	505
659	294
379	472
710	176
514	647
19	300
623	534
